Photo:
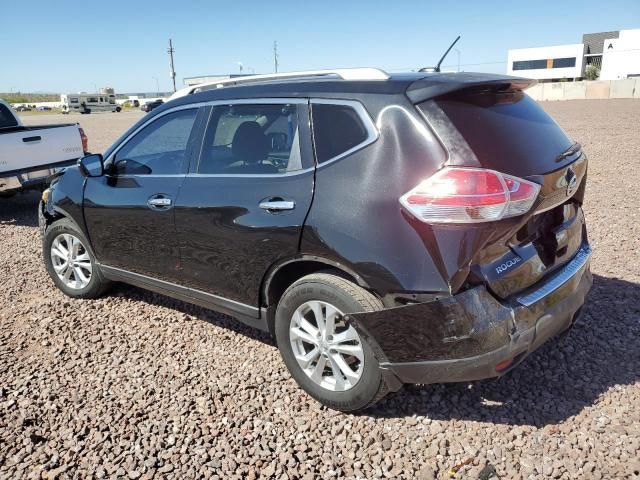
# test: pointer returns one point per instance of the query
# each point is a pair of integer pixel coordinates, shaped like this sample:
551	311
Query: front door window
159	149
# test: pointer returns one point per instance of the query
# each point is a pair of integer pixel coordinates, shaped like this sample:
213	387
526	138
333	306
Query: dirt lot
137	385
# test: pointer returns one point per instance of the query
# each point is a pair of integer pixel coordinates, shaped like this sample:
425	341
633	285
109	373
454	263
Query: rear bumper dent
472	335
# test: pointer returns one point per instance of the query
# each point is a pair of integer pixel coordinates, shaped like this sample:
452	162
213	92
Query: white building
615	55
546	63
621	56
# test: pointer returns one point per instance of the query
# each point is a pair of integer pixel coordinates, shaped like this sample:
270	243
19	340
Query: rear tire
70	262
314	352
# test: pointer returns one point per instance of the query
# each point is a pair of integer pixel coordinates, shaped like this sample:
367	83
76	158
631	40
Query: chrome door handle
159	202
278	205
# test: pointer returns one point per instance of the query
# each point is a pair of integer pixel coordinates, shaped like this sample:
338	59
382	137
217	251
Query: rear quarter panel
356	219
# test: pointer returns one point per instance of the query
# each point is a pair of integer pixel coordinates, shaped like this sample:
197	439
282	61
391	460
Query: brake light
470	195
85	140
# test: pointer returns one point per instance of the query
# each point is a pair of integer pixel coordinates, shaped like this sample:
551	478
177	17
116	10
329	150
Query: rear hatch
496	126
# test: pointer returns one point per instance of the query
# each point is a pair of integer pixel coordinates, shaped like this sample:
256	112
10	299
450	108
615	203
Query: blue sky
71	45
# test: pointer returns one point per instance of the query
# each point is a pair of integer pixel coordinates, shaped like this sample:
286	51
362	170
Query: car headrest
250	143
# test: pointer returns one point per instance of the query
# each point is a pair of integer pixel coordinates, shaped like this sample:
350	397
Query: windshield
7	119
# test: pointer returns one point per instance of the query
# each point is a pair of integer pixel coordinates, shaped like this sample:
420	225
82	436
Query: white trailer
89	102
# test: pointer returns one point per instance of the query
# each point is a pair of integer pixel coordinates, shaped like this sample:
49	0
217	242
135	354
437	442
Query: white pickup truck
28	155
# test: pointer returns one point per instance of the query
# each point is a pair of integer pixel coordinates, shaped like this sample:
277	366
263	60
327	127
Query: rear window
508	131
336	130
7	119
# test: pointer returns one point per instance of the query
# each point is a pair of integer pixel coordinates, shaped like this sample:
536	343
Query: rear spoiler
437	85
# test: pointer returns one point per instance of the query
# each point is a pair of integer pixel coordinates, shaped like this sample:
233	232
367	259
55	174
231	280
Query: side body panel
227	241
126	229
125	232
356	219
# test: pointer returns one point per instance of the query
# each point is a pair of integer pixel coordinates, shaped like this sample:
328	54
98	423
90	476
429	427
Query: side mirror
92	165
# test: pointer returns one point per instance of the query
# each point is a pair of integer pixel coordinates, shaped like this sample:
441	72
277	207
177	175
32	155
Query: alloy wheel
71	261
327	348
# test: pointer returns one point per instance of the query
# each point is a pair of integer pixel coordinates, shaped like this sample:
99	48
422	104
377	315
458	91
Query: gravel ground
136	385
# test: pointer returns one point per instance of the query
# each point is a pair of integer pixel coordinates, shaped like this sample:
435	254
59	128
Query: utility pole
275	55
172	72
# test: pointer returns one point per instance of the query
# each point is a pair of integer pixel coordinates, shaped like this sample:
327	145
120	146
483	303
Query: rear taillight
85	140
470	195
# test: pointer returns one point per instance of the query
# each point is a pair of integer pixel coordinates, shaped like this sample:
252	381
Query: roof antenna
437	67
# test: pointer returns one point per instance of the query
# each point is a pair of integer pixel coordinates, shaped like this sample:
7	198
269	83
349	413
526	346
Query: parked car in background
386	229
149	106
22	108
28	155
43	108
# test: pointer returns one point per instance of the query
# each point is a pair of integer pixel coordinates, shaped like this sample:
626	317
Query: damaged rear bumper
472	335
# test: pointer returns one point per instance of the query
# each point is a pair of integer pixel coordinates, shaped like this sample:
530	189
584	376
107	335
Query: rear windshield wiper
572	150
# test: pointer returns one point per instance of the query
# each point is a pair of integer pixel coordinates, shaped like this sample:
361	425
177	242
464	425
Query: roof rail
343	73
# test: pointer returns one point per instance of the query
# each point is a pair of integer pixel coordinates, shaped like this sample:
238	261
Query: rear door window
248	139
7	120
337	129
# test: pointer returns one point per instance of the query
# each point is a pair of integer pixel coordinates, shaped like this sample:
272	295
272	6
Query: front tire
70	261
325	354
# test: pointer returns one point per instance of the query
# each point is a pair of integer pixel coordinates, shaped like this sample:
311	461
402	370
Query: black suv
412	228
149	106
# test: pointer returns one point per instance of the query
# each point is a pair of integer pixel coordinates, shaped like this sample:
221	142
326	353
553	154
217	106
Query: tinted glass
336	129
564	62
530	65
507	131
6	118
252	139
160	147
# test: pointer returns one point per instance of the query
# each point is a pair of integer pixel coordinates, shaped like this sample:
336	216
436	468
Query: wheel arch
283	274
56	213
